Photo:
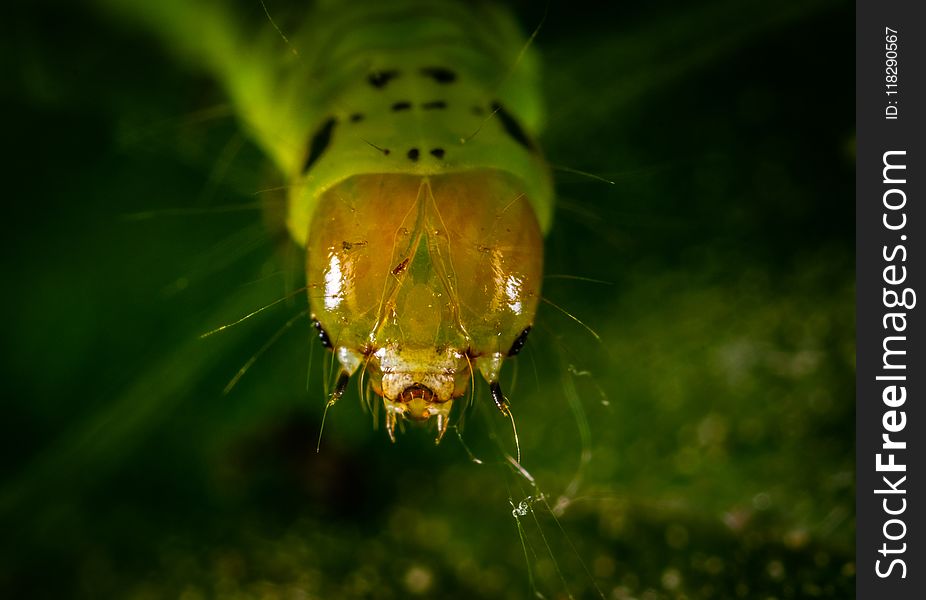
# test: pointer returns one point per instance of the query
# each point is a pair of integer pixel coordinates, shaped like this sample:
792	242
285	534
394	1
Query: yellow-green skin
285	88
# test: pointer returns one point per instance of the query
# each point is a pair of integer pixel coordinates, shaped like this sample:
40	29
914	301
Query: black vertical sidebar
891	365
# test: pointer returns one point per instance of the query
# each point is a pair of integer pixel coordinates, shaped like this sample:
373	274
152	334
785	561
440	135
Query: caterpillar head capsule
419	281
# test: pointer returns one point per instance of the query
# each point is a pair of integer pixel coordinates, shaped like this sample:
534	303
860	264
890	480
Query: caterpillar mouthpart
418	384
418	409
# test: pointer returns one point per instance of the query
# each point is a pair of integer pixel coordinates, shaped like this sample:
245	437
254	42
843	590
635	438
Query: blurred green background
720	399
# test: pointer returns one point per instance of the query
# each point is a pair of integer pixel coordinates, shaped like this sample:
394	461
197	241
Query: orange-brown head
420	280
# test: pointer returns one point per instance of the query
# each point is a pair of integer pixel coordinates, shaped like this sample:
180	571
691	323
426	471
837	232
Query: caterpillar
406	133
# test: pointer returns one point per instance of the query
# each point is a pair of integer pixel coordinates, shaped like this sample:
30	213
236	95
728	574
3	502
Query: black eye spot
404	105
436	104
319	143
439	74
322	334
437	152
511	126
413	154
519	342
356	117
379	79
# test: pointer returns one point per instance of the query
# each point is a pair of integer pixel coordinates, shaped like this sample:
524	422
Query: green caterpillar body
406	132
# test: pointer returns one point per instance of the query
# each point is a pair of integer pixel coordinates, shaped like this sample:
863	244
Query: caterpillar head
420	281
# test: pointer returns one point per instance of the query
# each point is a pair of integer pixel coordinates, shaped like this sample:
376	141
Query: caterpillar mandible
406	133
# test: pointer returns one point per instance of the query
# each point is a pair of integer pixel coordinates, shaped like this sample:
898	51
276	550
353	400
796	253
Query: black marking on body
499	397
401	267
434	105
512	127
519	342
413	155
437	153
340	385
478	111
403	105
356	117
319	143
322	334
439	74
385	151
380	79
